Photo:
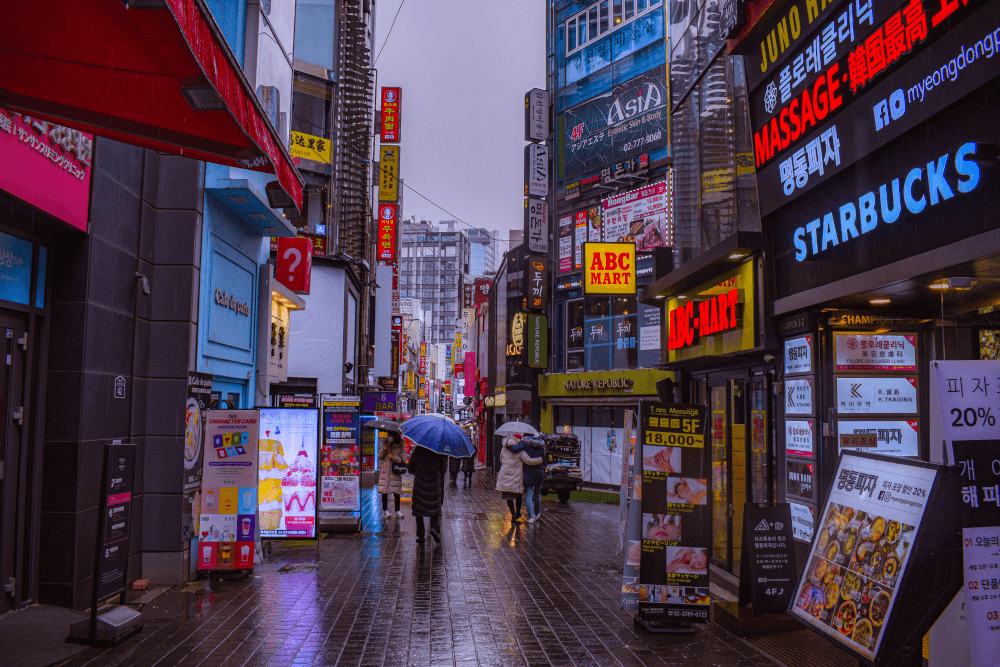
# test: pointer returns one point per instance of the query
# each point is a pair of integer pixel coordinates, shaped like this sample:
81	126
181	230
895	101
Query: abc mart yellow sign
609	268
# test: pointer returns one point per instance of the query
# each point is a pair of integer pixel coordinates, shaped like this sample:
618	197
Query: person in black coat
454	465
428	469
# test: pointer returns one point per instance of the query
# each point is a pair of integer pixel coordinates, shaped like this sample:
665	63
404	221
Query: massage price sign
672	552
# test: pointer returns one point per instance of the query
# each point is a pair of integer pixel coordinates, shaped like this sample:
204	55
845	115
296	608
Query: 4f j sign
609	268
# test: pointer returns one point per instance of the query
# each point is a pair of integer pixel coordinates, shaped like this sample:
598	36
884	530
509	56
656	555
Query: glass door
14	474
720	474
737	469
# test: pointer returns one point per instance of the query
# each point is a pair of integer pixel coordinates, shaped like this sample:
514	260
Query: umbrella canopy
438	434
518	428
383	425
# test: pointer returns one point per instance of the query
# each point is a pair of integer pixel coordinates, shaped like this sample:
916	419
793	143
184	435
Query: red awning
98	66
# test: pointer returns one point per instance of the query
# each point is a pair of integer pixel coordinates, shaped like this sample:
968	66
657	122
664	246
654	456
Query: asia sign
391	98
310	147
536	115
386	232
536	170
609	268
631	119
536	279
644	216
536	225
388	178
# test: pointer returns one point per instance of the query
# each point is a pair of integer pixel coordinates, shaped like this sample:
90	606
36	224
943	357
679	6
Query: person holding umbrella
392	466
510	480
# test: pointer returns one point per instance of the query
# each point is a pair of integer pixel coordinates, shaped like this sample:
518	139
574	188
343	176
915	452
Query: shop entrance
16	466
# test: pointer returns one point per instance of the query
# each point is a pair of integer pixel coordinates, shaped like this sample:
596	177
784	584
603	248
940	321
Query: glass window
571	35
574	325
593	22
604	17
629	9
598	306
618	11
640	6
583	28
315	31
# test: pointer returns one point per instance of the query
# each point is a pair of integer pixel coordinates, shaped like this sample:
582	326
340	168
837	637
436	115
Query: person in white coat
392	451
510	480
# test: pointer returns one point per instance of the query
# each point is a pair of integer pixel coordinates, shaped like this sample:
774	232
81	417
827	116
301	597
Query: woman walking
391	465
509	481
428	469
533	476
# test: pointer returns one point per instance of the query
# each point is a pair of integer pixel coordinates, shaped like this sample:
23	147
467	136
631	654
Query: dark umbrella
383	425
438	434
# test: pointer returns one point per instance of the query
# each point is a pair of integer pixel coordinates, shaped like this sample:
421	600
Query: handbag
399	468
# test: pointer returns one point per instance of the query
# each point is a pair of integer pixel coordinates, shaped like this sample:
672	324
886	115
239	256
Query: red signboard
387	232
390	115
294	268
482	292
318	243
423	358
688	323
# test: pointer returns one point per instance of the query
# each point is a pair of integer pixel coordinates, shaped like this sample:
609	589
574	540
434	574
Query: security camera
769	358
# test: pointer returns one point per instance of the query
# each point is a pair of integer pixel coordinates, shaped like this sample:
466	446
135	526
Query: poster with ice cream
287	465
227	512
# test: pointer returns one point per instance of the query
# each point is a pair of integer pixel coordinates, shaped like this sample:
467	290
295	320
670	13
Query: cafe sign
609	268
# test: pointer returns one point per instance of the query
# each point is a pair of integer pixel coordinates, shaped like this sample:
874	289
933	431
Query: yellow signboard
310	147
609	268
388	178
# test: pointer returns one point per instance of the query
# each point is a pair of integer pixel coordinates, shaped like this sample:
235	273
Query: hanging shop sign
610	268
536	115
481	293
294	266
799	437
536	225
967	392
423	359
869	562
391	117
579	237
388	175
643	216
536	281
340	454
876	395
536	170
537	340
387	232
673	551
310	147
798	355
516	345
630	120
227	522
767	563
802	522
799	479
289	455
380	401
895	438
867	352
799	397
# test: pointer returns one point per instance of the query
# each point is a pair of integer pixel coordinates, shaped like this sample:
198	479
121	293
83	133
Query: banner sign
967	391
391	99
340	454
895	438
565	242
799	397
876	395
536	225
536	115
310	147
388	175
871	520
536	281
536	336
423	359
289	447
610	268
536	170
642	216
387	232
799	436
673	552
867	352
481	293
630	119
767	565
227	523
111	572
798	355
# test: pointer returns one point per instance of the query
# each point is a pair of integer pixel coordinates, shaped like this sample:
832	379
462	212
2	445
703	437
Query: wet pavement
492	595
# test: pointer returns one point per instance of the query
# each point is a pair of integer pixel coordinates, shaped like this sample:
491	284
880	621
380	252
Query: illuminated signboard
695	319
387	232
609	268
390	115
516	345
536	278
310	147
388	176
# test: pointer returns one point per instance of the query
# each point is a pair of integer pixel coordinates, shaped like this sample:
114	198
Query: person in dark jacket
469	466
533	476
428	469
454	465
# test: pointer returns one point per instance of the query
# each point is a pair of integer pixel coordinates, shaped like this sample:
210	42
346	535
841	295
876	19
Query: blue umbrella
438	434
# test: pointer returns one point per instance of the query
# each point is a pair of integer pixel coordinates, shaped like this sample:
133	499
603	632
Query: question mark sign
296	256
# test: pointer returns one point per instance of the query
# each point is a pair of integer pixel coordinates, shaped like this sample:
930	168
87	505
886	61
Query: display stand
339	504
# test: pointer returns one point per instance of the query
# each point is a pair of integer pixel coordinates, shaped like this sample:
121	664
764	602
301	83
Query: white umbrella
519	428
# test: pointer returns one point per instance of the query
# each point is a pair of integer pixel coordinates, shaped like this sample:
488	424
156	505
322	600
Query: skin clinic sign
609	268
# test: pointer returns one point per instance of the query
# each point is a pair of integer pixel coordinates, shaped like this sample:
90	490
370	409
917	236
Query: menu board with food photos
672	553
289	444
863	544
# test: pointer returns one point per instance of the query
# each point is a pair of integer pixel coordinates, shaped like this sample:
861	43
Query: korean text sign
391	105
387	232
609	268
287	473
294	268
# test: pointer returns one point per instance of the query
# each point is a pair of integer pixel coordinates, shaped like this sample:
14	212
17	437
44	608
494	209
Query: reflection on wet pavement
491	594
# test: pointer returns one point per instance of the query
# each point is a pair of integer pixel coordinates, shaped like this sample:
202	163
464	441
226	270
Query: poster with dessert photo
340	454
287	472
227	508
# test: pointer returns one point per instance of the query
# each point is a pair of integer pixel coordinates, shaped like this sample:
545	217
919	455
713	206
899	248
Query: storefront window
597	333
315	31
624	332
575	338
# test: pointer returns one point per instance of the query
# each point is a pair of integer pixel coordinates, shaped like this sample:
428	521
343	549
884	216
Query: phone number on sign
648	139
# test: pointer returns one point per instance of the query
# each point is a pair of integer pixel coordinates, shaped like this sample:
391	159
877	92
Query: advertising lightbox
287	472
609	268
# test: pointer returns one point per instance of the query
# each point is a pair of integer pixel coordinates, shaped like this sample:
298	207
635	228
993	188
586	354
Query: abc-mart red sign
387	232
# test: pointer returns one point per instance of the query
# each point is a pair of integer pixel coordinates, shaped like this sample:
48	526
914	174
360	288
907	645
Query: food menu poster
861	549
227	522
289	446
340	454
672	550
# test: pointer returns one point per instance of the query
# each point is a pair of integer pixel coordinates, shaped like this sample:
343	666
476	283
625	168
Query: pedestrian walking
509	481
428	469
469	466
392	467
533	476
454	465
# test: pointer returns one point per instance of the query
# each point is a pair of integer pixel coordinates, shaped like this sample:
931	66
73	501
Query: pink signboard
470	373
46	165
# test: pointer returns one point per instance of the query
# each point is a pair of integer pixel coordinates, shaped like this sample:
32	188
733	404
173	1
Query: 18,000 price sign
667	425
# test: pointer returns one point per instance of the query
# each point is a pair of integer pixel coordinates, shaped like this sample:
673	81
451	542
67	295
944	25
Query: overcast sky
464	66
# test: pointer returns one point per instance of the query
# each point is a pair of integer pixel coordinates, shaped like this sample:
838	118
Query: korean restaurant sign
536	115
386	232
536	224
391	98
798	355
869	352
388	176
643	216
609	268
310	147
894	438
46	165
536	278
